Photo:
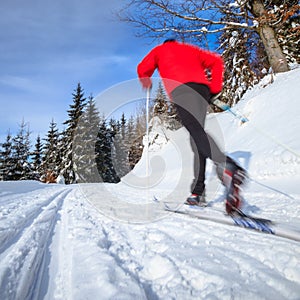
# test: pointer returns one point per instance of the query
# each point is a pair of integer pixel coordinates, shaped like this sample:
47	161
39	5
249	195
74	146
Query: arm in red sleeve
146	68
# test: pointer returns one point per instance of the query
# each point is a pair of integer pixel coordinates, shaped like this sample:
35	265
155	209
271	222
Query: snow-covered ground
110	241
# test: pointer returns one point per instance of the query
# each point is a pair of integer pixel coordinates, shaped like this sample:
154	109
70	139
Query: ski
237	214
240	213
242	220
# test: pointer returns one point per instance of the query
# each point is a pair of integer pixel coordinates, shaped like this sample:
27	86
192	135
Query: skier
192	76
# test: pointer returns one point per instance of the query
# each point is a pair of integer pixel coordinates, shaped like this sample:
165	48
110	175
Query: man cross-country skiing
192	76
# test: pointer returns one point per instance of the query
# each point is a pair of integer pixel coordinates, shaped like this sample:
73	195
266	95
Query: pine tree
75	113
61	154
123	126
135	143
6	162
104	154
160	102
51	155
21	153
37	159
139	134
165	109
84	144
120	149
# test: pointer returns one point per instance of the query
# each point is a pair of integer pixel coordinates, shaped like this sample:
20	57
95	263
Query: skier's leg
192	109
233	177
198	185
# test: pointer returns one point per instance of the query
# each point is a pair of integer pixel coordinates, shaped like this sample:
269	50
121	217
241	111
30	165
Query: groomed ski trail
25	243
67	250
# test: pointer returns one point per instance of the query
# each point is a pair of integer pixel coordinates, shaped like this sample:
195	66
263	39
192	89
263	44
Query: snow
111	241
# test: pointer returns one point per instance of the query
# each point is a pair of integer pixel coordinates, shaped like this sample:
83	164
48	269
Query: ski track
25	212
157	259
56	245
23	260
83	266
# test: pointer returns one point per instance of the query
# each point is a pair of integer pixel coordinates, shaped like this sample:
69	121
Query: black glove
214	97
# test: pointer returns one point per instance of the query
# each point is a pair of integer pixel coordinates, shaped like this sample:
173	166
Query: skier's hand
146	83
214	97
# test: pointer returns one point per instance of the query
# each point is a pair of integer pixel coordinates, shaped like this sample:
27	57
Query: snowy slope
269	139
110	241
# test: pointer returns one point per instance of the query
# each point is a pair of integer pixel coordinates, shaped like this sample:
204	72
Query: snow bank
267	145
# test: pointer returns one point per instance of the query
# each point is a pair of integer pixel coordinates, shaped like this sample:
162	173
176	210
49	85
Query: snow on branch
182	18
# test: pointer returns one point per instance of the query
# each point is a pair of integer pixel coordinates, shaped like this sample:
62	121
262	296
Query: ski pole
226	107
147	131
271	188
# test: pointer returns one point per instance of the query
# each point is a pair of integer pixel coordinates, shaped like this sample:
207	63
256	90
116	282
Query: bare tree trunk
267	34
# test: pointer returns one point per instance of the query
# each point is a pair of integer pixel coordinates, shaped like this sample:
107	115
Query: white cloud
20	83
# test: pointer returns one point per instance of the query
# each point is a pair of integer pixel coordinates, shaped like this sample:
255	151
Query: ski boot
233	177
233	201
195	199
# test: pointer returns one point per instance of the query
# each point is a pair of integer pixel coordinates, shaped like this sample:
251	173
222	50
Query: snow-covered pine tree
160	107
51	152
135	146
165	110
238	76
103	150
121	146
37	158
61	158
84	155
21	153
6	162
75	112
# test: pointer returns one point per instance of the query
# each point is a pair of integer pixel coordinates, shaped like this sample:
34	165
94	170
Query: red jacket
179	63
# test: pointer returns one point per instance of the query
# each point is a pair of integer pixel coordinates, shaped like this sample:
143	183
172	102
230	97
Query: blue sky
48	46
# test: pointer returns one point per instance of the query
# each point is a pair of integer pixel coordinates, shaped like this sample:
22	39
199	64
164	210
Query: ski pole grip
221	104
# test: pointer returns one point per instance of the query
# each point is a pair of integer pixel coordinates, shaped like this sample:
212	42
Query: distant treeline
90	148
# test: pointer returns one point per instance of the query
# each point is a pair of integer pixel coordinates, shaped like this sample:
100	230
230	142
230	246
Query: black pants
191	100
